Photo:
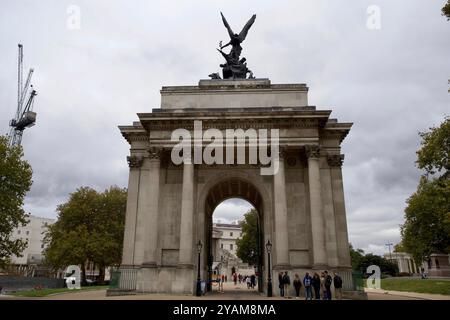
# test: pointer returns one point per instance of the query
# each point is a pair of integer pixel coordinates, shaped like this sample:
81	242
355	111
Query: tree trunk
101	275
83	275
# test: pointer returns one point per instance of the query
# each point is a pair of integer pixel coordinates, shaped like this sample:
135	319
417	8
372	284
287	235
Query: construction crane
25	117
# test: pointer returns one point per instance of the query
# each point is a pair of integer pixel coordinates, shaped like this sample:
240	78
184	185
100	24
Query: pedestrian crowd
316	285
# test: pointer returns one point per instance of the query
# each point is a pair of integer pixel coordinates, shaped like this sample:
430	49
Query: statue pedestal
243	93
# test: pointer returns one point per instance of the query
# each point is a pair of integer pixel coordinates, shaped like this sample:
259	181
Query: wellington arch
301	208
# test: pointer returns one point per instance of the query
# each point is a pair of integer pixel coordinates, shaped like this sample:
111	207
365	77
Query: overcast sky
391	82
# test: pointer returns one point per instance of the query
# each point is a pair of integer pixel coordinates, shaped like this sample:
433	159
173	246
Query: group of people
319	284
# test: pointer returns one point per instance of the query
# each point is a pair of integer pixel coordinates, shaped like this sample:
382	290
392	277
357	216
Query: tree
356	256
434	154
427	216
446	10
89	228
385	265
247	246
427	219
399	247
15	182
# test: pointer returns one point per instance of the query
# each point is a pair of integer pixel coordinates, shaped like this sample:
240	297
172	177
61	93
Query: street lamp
199	284
389	245
269	269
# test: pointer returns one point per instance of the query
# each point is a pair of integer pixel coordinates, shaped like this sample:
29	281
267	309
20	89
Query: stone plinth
246	93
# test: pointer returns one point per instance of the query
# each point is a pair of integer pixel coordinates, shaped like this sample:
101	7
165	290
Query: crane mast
24	117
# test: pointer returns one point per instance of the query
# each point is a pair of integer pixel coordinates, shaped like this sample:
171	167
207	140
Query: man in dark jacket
328	282
287	283
337	286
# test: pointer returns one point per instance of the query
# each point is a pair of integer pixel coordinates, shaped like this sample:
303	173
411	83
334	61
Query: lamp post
199	284
389	245
269	269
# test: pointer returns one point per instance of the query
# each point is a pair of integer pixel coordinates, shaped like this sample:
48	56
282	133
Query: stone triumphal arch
301	208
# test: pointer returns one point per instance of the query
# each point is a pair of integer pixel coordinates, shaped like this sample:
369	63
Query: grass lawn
46	292
436	286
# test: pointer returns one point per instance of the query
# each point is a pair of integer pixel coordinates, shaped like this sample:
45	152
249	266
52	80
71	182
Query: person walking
253	281
337	280
307	280
281	284
287	283
322	286
316	285
297	285
248	281
328	282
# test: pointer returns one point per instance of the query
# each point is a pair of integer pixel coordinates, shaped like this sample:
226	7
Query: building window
231	246
18	231
231	234
28	232
221	246
42	246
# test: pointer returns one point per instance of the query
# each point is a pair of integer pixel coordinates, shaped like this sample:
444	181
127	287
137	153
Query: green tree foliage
360	262
446	10
356	256
427	216
89	228
434	153
427	219
386	266
15	182
247	246
399	247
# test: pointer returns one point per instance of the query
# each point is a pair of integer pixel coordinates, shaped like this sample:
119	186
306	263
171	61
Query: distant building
438	265
224	238
224	250
33	232
404	261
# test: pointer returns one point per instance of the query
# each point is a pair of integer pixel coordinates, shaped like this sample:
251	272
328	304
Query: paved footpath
406	295
231	292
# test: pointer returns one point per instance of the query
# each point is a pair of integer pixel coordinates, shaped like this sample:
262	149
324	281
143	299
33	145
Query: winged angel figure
235	67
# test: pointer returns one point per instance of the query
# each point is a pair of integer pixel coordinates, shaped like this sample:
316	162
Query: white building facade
33	233
225	240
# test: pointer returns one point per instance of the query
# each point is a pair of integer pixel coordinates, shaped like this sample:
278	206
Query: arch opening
225	206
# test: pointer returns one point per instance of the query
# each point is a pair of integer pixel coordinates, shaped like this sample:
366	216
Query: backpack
328	280
337	282
307	281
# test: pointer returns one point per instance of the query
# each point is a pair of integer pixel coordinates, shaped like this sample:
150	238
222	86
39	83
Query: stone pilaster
135	163
187	215
152	207
281	221
335	162
315	203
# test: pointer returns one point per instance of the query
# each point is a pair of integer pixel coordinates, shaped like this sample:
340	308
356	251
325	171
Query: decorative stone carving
291	161
134	161
312	151
335	160
155	152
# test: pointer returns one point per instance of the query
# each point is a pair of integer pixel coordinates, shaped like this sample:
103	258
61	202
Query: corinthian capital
134	161
312	151
335	160
155	152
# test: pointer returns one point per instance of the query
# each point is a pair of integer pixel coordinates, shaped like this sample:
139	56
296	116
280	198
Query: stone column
151	214
281	221
335	162
315	203
135	164
187	214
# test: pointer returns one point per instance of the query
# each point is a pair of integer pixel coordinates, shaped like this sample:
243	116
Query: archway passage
222	253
